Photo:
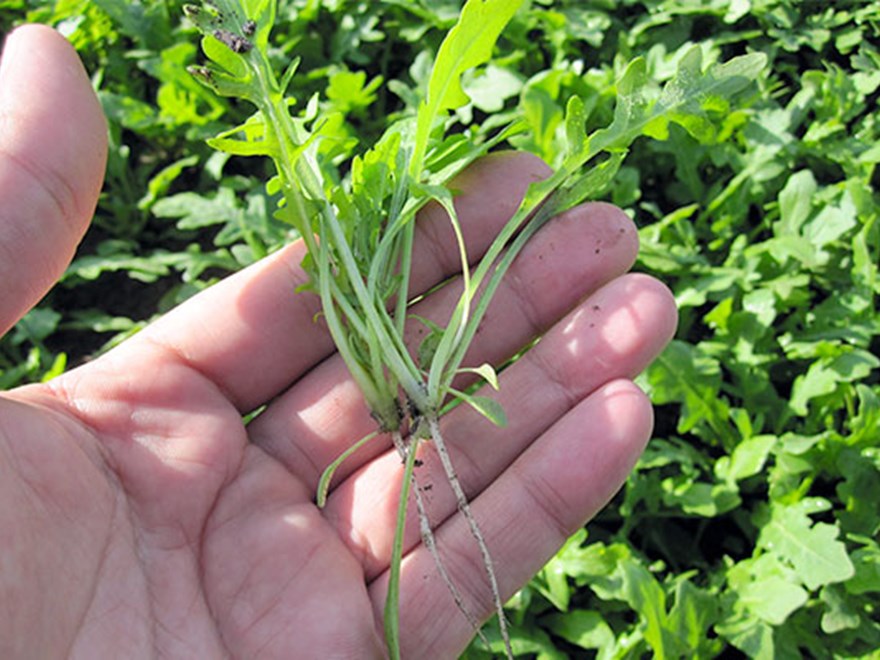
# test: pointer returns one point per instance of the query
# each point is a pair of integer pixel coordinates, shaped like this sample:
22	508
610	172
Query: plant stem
392	600
378	330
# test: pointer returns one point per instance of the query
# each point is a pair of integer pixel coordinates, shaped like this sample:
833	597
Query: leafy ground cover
750	527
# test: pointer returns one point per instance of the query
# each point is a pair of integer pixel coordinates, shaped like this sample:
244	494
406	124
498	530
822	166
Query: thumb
53	150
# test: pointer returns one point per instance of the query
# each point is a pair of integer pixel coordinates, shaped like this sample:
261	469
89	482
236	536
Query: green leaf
813	550
553	580
219	53
691	618
59	365
750	635
160	182
683	100
249	139
468	44
586	629
326	476
144	269
859	492
428	346
864	425
146	23
489	90
824	376
767	588
526	641
488	408
614	574
773	599
685	374
485	371
832	222
590	185
349	90
36	325
747	459
795	202
867	568
839	614
195	211
645	595
699	498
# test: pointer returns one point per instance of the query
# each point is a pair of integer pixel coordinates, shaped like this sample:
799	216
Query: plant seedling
359	235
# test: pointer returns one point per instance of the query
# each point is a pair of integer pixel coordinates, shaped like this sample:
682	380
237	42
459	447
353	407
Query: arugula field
750	526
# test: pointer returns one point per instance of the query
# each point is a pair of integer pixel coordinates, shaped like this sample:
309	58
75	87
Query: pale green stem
392	600
457	355
452	347
369	389
395	355
543	202
405	268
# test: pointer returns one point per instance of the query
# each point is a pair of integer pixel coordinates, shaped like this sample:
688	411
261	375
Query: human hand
140	517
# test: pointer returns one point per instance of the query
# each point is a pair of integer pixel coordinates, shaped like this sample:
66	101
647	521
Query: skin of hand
139	517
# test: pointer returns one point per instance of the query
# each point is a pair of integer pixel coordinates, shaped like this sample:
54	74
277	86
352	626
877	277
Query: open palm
139	517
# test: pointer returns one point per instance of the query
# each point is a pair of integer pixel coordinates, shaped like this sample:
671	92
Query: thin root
430	543
464	507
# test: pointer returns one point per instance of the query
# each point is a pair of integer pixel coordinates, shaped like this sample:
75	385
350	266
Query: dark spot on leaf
232	41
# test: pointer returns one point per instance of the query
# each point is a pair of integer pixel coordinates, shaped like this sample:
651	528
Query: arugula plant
767	233
359	234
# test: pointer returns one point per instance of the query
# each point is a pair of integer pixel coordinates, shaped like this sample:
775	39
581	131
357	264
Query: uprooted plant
359	234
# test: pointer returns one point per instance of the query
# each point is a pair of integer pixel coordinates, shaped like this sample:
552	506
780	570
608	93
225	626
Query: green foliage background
750	527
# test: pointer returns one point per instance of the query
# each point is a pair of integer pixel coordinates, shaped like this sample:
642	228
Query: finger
546	495
312	424
253	334
614	334
53	148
